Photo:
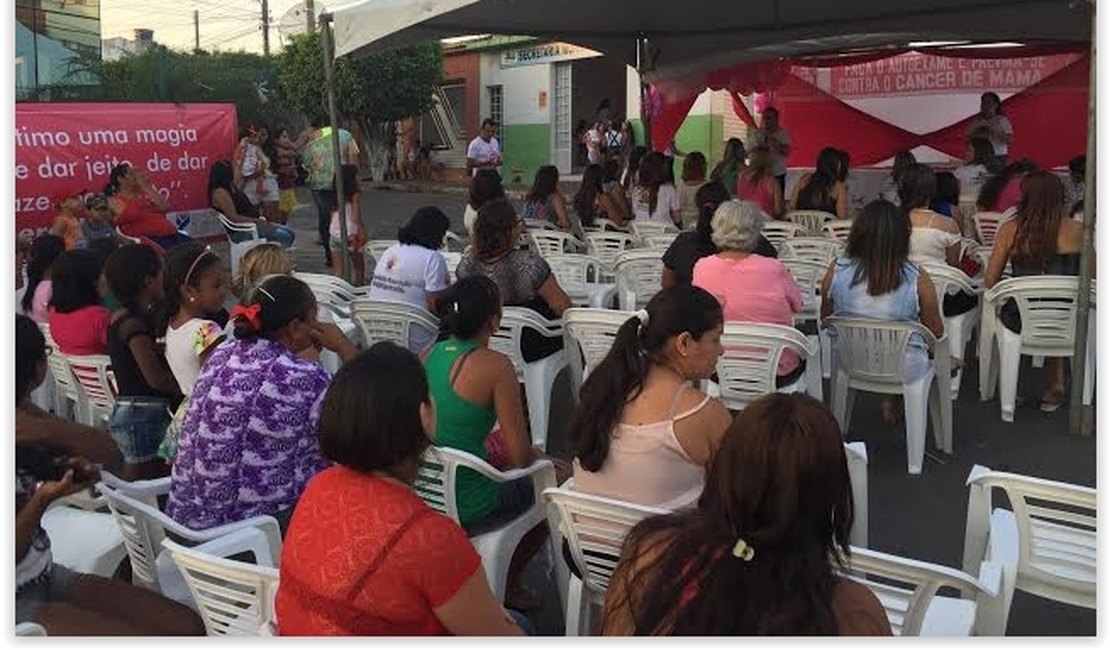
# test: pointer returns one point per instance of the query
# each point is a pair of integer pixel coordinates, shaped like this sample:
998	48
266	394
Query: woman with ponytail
248	445
761	552
473	388
642	433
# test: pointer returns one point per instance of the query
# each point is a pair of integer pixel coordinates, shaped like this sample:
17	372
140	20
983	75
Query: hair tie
644	317
252	314
743	550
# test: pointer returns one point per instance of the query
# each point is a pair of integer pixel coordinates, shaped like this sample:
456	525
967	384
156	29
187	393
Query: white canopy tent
683	37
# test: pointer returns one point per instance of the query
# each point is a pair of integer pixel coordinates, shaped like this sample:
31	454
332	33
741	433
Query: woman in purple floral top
248	446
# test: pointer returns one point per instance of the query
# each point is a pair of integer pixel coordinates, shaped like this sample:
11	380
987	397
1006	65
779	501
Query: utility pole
310	15
196	30
266	27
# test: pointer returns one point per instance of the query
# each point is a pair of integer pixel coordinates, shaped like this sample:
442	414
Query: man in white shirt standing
991	124
484	151
777	141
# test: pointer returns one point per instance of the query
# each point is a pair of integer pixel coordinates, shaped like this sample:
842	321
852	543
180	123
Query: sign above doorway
544	53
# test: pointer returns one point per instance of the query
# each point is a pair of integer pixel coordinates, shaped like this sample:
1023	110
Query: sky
227	25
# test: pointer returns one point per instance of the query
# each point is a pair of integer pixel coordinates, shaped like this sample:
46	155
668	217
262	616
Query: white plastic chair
539	376
28	628
333	293
452	260
747	370
233	598
908	590
606	246
641	230
549	242
82	539
811	220
820	249
604	225
808	275
777	232
93	376
950	280
1047	305
871	358
986	226
240	248
580	277
380	320
660	242
144	527
375	248
539	224
837	229
595	529
588	336
639	277
1047	543
436	485
450	240
66	389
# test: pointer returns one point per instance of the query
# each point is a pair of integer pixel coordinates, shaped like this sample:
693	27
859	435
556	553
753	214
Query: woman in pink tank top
641	433
756	183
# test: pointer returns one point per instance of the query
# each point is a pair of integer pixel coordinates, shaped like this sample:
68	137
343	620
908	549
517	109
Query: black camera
46	462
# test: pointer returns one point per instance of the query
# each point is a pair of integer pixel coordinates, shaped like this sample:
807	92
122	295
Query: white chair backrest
376	247
59	367
777	232
643	229
837	229
807	274
593	330
574	272
27	628
639	276
906	588
249	228
947	279
875	351
548	242
233	598
604	225
539	224
452	240
660	242
514	320
1056	529
820	249
750	361
986	226
856	455
811	220
332	292
452	260
607	245
93	374
1047	304
381	320
595	529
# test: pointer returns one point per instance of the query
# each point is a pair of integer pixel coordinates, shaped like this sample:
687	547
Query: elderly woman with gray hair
750	287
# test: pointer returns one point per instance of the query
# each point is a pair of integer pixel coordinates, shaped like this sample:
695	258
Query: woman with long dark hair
140	210
732	163
933	237
1041	240
632	171
693	177
876	279
544	202
642	433
597	199
485	186
888	189
760	553
1003	190
44	250
758	185
78	320
991	124
654	198
979	164
823	189
230	201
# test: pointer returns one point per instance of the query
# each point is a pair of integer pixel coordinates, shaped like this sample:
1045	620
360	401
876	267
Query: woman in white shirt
653	198
979	165
413	270
993	125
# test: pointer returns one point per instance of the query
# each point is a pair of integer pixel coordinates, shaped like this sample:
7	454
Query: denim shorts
138	425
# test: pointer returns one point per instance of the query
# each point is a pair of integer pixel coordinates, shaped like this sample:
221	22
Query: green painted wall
704	133
525	147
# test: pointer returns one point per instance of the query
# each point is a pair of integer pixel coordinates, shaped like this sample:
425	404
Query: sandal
1052	400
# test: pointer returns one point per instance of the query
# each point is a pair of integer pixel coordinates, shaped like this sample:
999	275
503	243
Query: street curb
436	188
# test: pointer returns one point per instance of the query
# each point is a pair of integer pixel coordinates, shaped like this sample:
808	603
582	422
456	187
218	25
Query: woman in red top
756	183
140	209
364	556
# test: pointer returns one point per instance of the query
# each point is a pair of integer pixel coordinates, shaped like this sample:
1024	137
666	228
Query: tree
373	92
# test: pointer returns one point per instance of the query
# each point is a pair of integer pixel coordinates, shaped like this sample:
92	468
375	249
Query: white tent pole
1079	417
333	119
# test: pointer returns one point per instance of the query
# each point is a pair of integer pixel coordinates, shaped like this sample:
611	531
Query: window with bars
495	95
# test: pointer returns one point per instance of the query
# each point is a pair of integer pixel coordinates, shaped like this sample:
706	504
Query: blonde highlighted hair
258	263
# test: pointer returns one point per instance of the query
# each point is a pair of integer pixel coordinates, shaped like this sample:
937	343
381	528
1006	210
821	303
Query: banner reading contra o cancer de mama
70	148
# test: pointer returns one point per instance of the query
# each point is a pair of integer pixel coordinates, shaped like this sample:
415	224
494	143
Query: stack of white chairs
950	280
837	229
604	225
580	276
811	220
1047	304
144	527
235	230
748	368
97	386
588	336
1046	543
538	376
539	224
641	230
555	242
639	277
820	249
382	320
777	232
333	293
606	246
437	485
68	399
871	358
660	242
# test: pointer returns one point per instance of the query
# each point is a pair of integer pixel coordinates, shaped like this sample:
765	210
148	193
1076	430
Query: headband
193	266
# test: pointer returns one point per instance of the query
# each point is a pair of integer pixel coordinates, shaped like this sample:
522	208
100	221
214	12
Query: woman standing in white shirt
653	198
993	125
979	164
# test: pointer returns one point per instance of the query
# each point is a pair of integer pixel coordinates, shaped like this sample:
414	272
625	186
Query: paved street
922	517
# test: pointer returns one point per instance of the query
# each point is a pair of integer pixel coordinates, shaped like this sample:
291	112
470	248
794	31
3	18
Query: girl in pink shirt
750	287
756	183
78	322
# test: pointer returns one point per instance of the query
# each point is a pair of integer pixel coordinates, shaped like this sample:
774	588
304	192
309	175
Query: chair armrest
252	540
990	578
265	524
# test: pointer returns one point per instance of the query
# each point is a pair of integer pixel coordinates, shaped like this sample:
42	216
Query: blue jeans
277	233
138	425
522	622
